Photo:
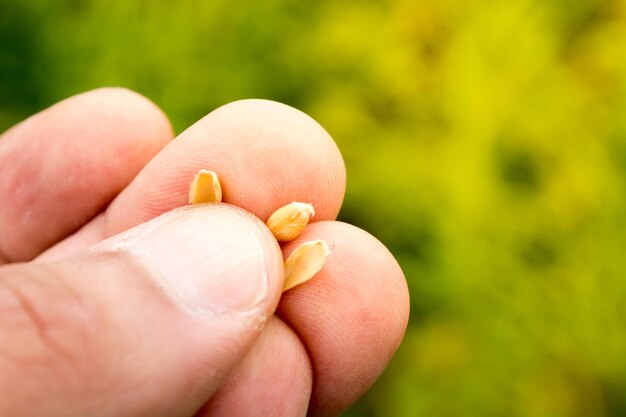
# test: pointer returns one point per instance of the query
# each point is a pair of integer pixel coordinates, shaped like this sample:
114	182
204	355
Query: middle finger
267	154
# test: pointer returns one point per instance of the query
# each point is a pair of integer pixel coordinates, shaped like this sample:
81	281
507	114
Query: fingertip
274	379
64	164
357	260
131	106
266	154
302	161
214	257
351	316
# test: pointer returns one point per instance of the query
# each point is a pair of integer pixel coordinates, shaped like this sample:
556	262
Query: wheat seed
304	262
289	221
205	188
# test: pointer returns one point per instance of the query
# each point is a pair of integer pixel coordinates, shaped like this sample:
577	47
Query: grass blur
485	143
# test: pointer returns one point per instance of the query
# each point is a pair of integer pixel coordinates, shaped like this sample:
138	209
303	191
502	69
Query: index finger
267	154
64	165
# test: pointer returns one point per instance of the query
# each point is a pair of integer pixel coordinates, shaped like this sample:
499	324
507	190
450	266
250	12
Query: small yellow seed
289	221
205	188
304	263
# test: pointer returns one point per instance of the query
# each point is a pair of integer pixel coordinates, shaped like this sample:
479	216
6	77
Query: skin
323	343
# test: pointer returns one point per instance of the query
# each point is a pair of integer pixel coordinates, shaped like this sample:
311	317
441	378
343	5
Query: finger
273	381
351	316
89	234
267	154
63	165
148	323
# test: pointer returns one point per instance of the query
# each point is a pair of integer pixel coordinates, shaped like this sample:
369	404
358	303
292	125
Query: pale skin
89	333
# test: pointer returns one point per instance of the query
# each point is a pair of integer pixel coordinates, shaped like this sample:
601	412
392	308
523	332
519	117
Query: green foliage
485	143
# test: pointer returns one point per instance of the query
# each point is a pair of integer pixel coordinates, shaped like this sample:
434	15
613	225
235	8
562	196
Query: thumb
147	323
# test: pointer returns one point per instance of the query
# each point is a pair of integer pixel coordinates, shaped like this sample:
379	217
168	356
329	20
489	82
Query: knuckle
44	324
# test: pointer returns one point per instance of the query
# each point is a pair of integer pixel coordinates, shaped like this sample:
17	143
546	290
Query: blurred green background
485	143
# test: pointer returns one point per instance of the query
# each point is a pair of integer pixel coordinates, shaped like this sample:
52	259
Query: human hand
127	311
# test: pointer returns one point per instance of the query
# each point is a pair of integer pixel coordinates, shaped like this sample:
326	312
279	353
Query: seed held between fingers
205	188
289	221
304	262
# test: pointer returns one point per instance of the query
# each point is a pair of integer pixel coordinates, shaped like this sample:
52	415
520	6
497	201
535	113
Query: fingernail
211	257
